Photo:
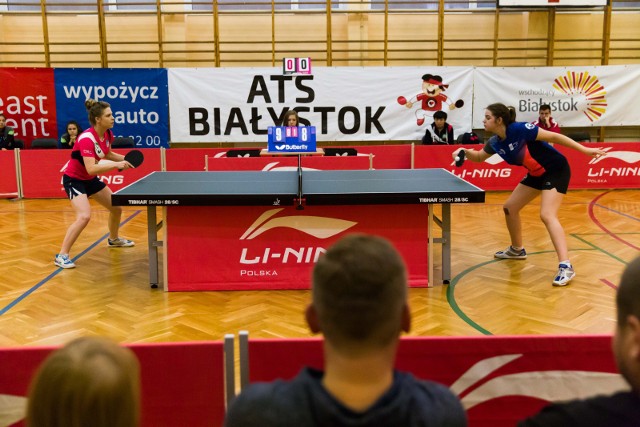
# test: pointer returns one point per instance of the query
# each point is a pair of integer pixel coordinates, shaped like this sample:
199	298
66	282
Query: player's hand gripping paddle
135	157
460	157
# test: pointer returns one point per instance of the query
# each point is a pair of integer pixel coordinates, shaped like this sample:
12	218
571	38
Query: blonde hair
91	381
95	109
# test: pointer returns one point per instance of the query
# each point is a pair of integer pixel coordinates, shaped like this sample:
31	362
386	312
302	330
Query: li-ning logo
316	226
626	156
484	172
629	157
587	85
551	386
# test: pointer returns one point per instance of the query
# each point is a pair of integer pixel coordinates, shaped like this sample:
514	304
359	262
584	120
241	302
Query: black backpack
469	138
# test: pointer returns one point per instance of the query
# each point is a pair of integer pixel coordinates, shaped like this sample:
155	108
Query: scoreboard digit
278	137
303	65
296	65
289	65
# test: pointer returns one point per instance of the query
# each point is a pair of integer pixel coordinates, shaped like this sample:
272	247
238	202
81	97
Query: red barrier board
42	171
251	163
190	159
8	180
182	383
620	168
238	247
336	163
388	156
500	380
274	164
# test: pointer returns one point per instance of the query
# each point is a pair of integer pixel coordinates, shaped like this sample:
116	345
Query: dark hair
545	107
73	122
289	114
359	293
507	114
440	115
95	109
628	296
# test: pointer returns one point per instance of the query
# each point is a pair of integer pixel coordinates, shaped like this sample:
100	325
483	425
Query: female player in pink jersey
90	157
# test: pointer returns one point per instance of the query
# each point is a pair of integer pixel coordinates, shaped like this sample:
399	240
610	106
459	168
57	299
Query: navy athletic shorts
75	187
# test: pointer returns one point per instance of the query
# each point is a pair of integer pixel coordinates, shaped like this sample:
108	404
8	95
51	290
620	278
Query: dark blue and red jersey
521	148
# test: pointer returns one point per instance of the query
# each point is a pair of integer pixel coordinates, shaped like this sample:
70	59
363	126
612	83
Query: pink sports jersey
89	144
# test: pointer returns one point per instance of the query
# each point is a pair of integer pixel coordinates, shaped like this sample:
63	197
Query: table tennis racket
459	103
460	158
135	157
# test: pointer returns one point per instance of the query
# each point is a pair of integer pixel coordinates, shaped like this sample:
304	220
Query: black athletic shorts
75	187
558	179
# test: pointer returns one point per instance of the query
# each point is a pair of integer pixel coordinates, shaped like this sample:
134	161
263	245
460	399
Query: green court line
451	299
597	248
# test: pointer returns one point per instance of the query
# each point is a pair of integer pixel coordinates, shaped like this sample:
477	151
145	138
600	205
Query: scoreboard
296	65
292	138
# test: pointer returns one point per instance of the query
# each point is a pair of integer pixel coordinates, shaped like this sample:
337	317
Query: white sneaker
511	253
120	242
63	261
564	275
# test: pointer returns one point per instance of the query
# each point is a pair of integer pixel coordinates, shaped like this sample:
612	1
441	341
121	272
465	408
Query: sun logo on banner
587	85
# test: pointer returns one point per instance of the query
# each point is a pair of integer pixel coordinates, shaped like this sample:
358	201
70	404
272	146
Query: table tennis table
315	201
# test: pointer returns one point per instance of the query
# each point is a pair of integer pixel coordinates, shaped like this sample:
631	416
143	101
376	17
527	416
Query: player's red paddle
135	157
402	100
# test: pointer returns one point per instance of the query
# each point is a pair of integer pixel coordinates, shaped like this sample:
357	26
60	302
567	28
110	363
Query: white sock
567	262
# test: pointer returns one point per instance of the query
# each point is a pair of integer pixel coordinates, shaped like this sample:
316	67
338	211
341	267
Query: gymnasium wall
353	36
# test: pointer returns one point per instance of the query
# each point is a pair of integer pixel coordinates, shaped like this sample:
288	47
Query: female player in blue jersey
527	145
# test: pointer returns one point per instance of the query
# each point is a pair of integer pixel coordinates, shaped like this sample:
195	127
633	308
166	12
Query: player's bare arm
94	168
112	155
473	155
558	138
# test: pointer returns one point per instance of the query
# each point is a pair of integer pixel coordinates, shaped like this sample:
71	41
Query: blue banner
138	98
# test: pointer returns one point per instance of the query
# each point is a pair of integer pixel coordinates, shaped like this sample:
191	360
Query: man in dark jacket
440	132
359	303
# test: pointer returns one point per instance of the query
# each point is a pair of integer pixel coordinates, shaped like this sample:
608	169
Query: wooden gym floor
108	293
